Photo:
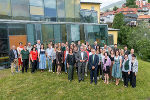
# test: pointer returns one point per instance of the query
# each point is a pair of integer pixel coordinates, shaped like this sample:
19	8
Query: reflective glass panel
47	33
5	9
36	10
31	33
61	10
20	9
69	8
77	10
17	29
36	2
50	9
57	34
75	33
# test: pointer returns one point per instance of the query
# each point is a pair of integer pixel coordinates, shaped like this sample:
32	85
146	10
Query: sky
107	2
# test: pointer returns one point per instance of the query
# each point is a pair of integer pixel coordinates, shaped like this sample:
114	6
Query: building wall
41	10
108	19
89	5
115	36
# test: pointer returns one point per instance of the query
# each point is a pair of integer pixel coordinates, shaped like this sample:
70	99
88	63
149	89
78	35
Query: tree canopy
131	3
118	21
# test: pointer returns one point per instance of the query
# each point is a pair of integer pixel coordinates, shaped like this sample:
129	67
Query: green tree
115	8
131	3
148	1
123	34
139	39
118	21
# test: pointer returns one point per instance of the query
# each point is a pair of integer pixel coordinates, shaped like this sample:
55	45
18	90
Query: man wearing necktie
93	65
81	60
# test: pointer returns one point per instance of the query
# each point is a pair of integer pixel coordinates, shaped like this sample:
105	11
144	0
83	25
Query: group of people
106	63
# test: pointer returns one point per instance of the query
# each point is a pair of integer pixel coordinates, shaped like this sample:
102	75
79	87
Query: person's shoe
86	75
95	83
100	76
91	82
125	86
53	72
97	78
79	81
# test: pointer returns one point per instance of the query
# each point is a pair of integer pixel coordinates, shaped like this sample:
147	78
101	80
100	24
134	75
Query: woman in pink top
106	67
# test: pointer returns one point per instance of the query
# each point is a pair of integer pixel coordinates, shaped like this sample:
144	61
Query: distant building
127	10
141	3
130	15
91	5
107	17
144	18
113	36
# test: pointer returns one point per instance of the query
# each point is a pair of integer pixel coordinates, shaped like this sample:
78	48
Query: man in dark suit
81	59
13	56
126	51
95	45
93	65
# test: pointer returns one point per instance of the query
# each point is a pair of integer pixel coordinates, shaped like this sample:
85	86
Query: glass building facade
48	20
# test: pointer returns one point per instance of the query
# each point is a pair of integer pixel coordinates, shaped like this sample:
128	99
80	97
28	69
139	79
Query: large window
3	40
47	33
70	8
20	9
57	34
61	10
75	32
88	16
77	10
5	9
36	10
31	33
50	9
36	3
17	29
38	32
64	33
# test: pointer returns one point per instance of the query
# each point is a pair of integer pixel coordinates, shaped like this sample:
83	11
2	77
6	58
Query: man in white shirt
81	59
38	46
19	49
29	47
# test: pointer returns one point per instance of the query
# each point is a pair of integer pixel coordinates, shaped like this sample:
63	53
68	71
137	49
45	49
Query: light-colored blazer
134	68
78	58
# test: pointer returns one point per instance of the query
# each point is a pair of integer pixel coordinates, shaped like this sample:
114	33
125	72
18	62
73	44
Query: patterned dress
42	63
116	70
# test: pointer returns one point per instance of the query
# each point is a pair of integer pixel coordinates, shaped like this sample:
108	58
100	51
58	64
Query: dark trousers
132	79
99	70
81	71
93	73
37	64
77	67
70	72
34	65
126	78
25	65
54	65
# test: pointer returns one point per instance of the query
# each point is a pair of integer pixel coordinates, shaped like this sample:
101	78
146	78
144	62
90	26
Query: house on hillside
107	17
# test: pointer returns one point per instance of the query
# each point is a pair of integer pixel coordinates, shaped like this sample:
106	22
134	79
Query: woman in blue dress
116	70
42	58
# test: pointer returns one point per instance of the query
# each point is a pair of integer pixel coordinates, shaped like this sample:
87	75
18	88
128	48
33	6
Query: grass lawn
49	86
